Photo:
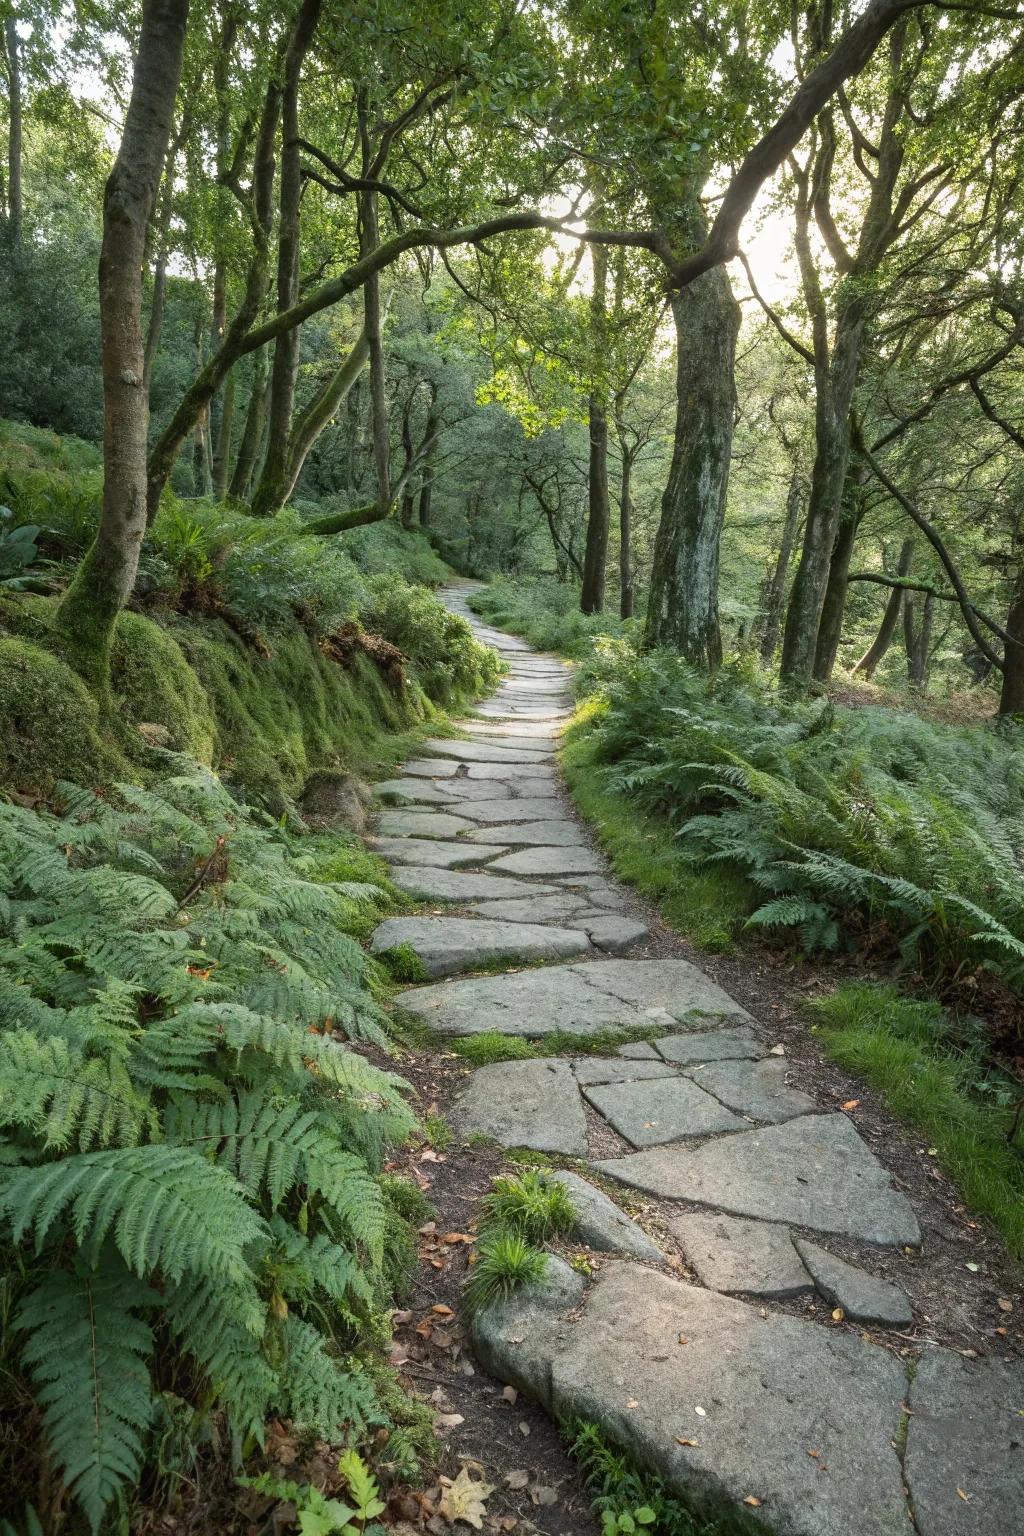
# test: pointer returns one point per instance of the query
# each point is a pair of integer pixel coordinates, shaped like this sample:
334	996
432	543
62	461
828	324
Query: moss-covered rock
154	683
49	721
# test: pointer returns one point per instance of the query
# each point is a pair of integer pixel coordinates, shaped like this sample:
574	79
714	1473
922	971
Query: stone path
809	1428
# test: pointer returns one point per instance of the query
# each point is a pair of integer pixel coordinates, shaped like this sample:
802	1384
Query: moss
154	682
49	721
403	964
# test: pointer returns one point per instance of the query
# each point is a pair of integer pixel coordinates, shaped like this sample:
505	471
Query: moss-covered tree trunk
833	608
626	532
775	590
14	131
868	663
106	577
682	609
1011	697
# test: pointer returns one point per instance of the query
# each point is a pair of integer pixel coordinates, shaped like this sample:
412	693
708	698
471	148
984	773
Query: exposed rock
814	1172
964	1463
461	885
614	1069
339	799
433	768
510	808
156	735
600	1223
487	751
552	861
731	1254
614	934
447	946
517	1339
532	1104
862	1297
657	1110
556	833
638	1050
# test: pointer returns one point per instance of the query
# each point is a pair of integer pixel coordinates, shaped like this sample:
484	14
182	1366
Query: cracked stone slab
561	833
423	851
708	1045
411	792
447	946
460	885
591	1070
432	768
651	1111
486	752
511	808
581	999
552	861
601	1225
756	1089
553	907
422	824
966	1432
638	1050
730	1253
771	1389
489	730
815	1172
533	1104
863	1297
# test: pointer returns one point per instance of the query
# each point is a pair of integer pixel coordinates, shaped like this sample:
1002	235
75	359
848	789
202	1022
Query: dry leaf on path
753	1501
465	1500
517	1479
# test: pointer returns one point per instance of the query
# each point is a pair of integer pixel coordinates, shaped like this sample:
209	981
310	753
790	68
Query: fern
87	1352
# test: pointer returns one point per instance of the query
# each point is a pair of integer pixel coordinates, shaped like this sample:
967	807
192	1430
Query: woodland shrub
852	825
194	1217
449	662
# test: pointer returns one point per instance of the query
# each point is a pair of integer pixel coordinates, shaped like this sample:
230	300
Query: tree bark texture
833	608
595	555
15	216
682	609
626	533
106	577
918	637
1011	697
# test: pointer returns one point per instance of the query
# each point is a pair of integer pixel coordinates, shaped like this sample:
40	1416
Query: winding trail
717	1382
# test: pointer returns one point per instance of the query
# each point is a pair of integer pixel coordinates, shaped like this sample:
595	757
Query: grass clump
935	1078
530	1205
485	1049
505	1263
403	964
629	1500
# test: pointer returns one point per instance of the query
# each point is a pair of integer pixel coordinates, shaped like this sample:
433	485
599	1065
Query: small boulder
337	800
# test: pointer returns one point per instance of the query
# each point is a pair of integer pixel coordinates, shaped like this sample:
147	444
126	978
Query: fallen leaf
524	1428
517	1479
683	1339
465	1500
400	1318
509	1394
838	1315
458	1237
701	1411
753	1501
441	1310
543	1495
1004	1304
850	1104
682	1440
631	1402
448	1420
972	1267
965	1496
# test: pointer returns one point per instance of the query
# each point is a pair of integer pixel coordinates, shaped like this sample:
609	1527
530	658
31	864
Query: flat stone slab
514	773
863	1297
638	1050
655	1110
531	1323
600	1223
432	768
757	1089
447	946
556	907
533	1104
561	833
552	861
771	1389
411	792
423	852
814	1172
730	1254
614	1069
486	752
966	1434
530	730
581	999
512	808
422	824
708	1045
458	885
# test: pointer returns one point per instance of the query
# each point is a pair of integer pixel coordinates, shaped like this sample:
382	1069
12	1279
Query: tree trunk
626	533
14	132
595	557
834	399
431	431
104	581
252	433
833	608
320	410
683	607
408	504
1011	698
775	591
868	663
222	451
918	640
269	492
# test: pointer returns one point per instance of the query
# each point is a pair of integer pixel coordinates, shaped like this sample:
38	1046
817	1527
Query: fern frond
66	1097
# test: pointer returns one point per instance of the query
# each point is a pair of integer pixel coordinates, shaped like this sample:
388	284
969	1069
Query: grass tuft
505	1263
529	1206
